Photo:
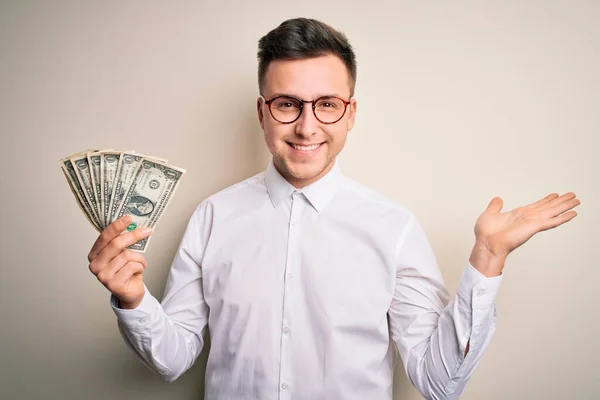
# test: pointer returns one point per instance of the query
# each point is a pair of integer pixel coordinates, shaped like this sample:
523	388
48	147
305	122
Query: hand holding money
111	184
120	270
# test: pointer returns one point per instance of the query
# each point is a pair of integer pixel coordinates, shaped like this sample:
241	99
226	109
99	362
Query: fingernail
127	219
146	230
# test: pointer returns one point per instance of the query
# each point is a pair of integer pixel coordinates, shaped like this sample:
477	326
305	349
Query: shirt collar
318	193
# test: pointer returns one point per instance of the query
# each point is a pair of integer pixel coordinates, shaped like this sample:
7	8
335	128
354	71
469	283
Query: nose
306	125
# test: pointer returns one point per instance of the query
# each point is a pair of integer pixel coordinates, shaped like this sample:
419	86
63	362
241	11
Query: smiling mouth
305	148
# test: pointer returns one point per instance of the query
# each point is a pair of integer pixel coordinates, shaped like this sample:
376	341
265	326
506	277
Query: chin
306	171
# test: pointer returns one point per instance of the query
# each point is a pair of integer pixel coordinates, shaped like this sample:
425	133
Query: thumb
495	205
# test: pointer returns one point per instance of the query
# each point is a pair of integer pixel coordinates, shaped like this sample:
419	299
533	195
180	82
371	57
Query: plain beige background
458	102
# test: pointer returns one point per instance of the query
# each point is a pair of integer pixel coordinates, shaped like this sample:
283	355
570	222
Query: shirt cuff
139	317
478	290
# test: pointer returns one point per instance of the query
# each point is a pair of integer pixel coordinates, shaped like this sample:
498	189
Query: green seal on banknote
132	226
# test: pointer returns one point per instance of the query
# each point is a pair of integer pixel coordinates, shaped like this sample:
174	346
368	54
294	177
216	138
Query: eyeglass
287	109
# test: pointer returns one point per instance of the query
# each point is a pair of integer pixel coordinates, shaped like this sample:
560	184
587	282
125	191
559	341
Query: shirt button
480	292
286	329
290	275
143	320
293	223
285	385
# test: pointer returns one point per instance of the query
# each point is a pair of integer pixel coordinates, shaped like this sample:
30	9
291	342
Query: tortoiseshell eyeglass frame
302	102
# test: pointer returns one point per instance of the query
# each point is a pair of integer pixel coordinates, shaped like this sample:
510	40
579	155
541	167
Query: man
303	276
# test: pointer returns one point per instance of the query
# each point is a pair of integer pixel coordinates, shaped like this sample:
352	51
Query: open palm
503	232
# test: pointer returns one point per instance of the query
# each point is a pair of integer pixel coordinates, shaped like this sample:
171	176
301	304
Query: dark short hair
302	38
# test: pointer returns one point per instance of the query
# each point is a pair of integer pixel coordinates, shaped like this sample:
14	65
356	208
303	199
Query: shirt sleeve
168	336
430	330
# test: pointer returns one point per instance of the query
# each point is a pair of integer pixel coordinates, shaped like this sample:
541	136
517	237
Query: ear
352	114
259	110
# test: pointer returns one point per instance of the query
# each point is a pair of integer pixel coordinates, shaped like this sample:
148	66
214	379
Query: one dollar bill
94	164
83	173
77	189
128	164
153	185
109	166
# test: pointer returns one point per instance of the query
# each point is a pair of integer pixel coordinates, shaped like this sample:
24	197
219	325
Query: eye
328	104
286	104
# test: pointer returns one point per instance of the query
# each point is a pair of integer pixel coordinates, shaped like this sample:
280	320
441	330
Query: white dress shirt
307	293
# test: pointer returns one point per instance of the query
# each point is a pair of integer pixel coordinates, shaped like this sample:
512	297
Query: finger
542	201
120	279
109	270
559	208
556	201
495	205
117	245
559	220
130	269
109	233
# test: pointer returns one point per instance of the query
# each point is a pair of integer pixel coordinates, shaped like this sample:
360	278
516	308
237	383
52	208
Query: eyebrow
318	96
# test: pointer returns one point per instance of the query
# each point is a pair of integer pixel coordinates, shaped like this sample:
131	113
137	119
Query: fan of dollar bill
109	184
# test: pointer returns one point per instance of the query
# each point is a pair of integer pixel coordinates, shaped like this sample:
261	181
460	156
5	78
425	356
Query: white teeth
305	148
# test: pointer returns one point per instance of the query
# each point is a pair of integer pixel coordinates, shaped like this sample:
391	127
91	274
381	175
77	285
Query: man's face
306	79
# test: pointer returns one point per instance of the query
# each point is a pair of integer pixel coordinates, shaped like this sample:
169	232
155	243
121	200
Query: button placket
285	370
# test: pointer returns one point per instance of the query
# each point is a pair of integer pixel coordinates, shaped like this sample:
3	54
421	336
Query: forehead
308	78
